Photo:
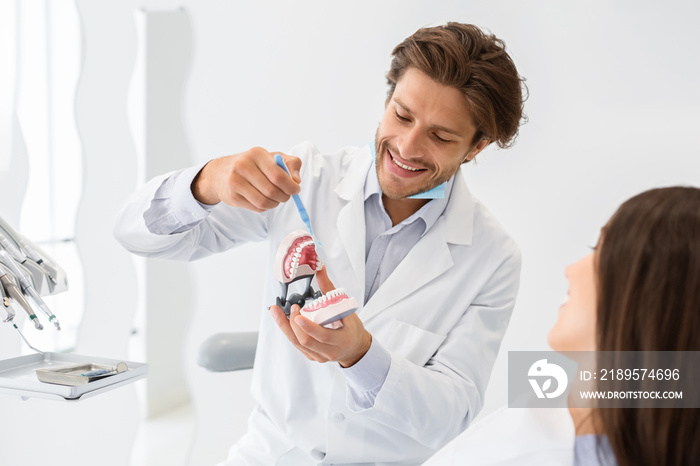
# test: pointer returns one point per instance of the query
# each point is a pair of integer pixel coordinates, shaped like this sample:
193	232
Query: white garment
441	314
513	437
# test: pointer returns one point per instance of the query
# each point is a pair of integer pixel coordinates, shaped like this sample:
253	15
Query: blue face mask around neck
438	192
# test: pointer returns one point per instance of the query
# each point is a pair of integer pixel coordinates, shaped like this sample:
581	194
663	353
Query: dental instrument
25	283
13	291
4	297
31	253
9	308
12	249
118	369
23	251
6	305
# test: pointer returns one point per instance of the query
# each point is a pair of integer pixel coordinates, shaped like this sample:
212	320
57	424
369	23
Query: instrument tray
21	376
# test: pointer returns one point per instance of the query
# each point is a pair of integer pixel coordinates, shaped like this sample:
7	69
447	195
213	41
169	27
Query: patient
638	291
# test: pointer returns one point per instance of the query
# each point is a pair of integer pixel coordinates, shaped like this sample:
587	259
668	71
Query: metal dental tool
13	292
26	272
6	304
118	369
12	249
32	254
8	307
23	253
25	283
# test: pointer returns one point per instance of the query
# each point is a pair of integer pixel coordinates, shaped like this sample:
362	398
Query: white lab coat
441	314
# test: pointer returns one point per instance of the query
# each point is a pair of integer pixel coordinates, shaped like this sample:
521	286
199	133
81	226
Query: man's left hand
345	345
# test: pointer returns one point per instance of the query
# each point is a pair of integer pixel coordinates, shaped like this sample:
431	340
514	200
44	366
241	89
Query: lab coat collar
428	214
353	182
351	217
459	213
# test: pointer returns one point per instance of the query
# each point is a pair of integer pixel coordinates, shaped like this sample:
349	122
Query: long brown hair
476	63
649	300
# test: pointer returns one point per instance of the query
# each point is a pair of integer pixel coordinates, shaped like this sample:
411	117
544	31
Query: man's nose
412	144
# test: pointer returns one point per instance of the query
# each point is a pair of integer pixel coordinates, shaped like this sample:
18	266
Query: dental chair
225	352
221	394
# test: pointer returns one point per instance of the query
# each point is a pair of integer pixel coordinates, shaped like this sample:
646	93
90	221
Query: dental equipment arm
47	276
33	255
25	283
5	304
26	274
13	292
23	253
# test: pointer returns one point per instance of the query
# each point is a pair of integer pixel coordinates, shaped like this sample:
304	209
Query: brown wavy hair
648	267
464	57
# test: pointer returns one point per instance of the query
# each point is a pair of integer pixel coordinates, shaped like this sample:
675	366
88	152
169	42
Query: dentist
434	273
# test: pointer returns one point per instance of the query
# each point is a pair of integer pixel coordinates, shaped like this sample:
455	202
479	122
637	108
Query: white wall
613	109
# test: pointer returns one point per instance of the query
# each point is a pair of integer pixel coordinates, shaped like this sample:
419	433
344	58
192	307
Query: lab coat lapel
351	218
431	256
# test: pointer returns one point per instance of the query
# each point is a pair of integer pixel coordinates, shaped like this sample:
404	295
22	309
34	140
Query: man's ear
481	145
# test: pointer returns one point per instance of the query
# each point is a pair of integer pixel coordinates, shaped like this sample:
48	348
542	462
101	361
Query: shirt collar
429	213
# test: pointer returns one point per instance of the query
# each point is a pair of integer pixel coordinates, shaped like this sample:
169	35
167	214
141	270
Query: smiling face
576	326
425	135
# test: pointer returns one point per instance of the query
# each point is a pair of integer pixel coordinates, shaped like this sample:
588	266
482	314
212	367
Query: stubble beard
381	149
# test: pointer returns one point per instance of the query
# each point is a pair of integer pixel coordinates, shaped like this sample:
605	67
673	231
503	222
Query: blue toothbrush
300	206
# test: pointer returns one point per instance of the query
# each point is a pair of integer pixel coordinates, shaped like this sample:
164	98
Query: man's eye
439	139
401	117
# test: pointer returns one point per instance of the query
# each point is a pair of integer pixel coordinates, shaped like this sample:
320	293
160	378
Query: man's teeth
405	167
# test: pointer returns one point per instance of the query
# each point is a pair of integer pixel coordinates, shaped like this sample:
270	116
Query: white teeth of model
405	167
299	249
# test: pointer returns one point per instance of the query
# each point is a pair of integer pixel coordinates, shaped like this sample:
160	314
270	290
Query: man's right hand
251	180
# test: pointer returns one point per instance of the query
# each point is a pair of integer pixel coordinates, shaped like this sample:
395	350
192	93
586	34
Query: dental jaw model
296	259
330	308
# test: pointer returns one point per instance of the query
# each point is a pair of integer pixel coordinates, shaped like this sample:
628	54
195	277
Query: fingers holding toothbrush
251	180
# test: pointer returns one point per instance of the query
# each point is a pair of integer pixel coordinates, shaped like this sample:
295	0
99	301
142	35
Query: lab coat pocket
414	343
